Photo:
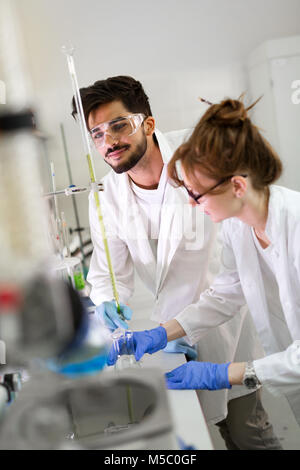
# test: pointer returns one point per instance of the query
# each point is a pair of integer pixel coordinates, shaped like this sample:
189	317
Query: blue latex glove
108	315
183	445
179	345
199	375
148	341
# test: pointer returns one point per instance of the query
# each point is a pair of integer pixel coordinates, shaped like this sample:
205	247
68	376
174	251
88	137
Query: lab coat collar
164	147
166	154
273	225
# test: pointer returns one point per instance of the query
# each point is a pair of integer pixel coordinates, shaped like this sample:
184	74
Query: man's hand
108	314
148	341
199	376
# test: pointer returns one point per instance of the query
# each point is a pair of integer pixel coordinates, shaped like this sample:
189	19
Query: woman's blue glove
148	341
108	315
179	345
199	376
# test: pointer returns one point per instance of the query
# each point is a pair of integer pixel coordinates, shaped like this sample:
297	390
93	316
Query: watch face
250	382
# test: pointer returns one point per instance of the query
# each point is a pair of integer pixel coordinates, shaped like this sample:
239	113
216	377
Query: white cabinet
273	70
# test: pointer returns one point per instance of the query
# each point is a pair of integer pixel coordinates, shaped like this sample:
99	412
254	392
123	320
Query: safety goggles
117	128
197	197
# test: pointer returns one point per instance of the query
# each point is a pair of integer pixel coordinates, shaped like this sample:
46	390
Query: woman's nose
192	202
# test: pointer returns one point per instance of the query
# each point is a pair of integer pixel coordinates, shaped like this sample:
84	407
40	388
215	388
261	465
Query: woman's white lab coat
242	279
179	273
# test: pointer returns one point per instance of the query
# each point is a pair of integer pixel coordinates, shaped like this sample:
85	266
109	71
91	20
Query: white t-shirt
150	202
267	262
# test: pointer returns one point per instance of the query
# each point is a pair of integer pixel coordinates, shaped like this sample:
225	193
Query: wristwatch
250	379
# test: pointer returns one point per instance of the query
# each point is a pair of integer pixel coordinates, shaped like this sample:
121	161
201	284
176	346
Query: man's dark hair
125	89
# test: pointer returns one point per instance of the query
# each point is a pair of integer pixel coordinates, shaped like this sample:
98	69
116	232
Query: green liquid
79	281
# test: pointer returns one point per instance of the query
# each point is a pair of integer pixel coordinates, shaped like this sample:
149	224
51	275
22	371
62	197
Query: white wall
179	49
273	67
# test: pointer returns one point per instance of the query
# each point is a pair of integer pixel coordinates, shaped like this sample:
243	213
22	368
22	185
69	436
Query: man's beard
133	159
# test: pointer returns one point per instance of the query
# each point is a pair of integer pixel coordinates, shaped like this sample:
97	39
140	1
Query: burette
69	51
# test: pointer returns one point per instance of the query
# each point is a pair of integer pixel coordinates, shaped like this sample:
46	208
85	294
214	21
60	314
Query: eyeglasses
197	197
117	128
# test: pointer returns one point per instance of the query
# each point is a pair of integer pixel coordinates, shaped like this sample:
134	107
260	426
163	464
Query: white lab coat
242	279
178	275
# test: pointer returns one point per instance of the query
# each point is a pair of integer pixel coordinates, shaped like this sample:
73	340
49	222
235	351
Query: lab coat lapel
247	261
277	236
137	238
169	234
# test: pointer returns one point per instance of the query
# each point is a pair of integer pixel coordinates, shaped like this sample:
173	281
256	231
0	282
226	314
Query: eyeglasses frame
113	121
196	198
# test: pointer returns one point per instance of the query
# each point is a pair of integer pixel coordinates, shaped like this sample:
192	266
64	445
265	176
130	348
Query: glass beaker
124	349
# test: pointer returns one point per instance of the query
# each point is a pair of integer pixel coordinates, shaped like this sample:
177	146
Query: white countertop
189	422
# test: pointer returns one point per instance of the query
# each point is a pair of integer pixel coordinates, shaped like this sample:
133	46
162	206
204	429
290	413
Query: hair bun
230	113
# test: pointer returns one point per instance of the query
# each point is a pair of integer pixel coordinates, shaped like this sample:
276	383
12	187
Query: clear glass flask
124	349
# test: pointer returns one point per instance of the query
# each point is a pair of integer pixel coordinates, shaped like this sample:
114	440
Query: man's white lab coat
242	279
182	270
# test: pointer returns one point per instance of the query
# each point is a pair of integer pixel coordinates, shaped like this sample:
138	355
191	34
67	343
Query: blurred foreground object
91	413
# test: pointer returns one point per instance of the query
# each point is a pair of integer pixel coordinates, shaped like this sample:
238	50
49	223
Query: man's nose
110	140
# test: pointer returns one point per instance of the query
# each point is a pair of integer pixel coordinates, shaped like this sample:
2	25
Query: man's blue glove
108	315
199	376
179	345
148	341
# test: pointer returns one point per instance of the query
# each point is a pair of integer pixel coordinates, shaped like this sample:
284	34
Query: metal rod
65	234
73	197
57	193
